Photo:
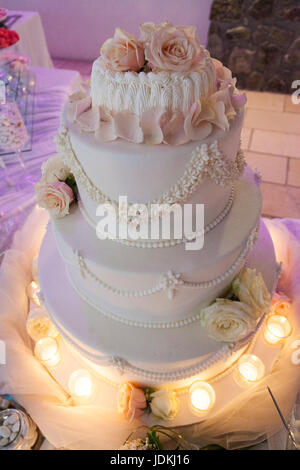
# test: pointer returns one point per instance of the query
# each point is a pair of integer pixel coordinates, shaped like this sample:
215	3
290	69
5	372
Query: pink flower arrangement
55	197
131	401
167	48
8	38
57	188
161	47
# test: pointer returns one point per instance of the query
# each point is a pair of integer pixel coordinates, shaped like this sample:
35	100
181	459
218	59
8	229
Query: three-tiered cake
147	316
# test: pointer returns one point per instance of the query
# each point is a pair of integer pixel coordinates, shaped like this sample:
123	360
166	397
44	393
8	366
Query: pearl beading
195	316
207	161
169	282
167	243
123	365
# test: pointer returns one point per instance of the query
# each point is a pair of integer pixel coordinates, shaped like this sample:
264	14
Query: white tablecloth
32	38
52	87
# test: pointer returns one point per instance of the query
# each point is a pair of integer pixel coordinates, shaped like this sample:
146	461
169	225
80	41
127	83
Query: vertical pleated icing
139	92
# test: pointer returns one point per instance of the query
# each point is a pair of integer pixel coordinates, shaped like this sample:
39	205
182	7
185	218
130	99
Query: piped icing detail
138	92
161	286
166	243
207	161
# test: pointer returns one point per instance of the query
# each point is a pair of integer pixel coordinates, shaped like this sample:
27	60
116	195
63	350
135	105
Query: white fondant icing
165	243
206	162
100	339
133	269
144	173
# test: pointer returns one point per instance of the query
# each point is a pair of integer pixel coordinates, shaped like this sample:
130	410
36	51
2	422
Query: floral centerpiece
8	38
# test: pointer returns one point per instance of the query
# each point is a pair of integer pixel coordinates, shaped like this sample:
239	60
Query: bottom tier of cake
173	358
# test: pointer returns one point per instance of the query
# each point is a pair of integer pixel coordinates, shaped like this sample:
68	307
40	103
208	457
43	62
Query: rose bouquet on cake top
57	188
162	48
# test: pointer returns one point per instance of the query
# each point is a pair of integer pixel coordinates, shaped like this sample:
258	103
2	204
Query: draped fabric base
249	419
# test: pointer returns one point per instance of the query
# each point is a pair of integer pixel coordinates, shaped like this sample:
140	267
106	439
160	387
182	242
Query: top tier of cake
163	88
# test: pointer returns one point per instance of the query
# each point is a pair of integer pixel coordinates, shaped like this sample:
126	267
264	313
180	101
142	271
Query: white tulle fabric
249	419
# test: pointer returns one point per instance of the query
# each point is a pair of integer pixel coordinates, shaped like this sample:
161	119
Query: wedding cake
148	317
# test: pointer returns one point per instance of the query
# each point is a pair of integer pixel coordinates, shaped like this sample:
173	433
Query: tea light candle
80	383
277	328
251	368
47	351
202	396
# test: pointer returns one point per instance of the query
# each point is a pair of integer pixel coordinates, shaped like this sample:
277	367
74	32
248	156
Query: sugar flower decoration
171	48
122	53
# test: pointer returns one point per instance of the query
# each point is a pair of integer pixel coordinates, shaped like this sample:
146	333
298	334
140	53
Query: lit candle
277	328
80	383
251	368
47	351
202	396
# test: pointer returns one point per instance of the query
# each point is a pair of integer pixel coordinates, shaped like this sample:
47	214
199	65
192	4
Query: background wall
75	29
259	40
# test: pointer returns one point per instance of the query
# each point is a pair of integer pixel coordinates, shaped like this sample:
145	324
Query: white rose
54	170
55	197
164	404
39	324
251	289
227	320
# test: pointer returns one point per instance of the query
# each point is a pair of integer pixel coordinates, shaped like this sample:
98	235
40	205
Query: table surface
52	88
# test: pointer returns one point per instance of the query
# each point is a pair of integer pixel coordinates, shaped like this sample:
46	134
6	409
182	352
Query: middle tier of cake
163	286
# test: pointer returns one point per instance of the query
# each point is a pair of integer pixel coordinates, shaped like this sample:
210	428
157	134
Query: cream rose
164	404
54	170
227	320
251	289
56	197
122	53
280	305
131	401
172	49
39	324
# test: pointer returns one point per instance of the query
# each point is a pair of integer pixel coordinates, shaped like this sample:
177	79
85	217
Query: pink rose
55	197
170	48
122	53
202	116
280	305
131	401
197	124
223	74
